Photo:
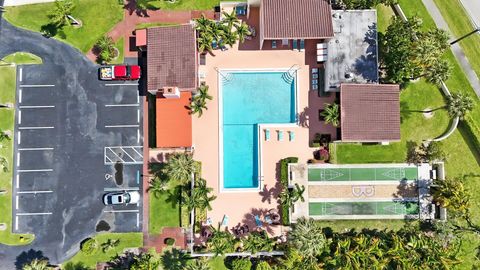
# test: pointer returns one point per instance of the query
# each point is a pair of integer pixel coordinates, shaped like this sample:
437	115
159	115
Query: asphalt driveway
76	138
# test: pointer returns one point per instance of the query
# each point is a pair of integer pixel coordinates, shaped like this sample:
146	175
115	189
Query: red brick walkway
158	242
126	27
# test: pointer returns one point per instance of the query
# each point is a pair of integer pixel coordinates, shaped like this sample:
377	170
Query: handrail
221	74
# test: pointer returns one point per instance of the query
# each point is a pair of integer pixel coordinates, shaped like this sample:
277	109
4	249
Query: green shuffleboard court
363	208
363	174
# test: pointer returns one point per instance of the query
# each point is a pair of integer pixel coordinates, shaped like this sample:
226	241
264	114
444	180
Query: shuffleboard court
363	174
363	208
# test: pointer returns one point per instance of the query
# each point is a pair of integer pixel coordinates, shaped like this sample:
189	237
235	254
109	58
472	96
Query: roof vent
171	92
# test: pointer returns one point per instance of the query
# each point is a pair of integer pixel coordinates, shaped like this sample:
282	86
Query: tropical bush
360	4
458	105
89	246
110	244
308	237
104	48
263	265
58	16
36	264
199	100
241	264
180	167
331	114
258	241
221	242
284	169
169	241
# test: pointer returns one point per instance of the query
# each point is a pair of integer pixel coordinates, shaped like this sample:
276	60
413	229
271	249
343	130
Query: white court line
19	136
21	74
16	223
121	211
36	170
18	159
35	127
16	202
19	117
35	149
122	105
122	126
20	96
138	136
37	85
34	214
138	115
34	191
138	220
18	181
119	84
36	106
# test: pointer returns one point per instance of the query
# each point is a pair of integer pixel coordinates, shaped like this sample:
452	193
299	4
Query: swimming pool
246	99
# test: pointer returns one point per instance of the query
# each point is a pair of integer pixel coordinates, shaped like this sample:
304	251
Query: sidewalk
470	7
456	49
24	2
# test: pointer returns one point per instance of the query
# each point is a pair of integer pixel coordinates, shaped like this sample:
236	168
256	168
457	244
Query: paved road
80	116
457	50
24	2
473	9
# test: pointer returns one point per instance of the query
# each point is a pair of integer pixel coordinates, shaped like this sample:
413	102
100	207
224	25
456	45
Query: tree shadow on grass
75	266
28	256
174	259
48	30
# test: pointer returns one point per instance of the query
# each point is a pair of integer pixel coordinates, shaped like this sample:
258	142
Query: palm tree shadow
174	259
267	194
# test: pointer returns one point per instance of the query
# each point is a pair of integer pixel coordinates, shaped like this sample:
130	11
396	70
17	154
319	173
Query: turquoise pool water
249	99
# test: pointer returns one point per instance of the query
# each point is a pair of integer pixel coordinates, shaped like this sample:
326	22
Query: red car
120	73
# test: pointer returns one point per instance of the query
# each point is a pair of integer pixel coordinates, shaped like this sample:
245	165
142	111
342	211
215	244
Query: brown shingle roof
171	57
370	112
301	19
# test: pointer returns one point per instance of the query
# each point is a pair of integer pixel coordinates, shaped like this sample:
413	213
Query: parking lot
71	148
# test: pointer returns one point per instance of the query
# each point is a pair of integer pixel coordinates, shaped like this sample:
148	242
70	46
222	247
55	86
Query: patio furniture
274	44
245	227
284	42
268	220
241	10
302	45
206	232
225	220
314	70
291	136
253	33
267	135
295	44
258	222
322	52
208	221
279	135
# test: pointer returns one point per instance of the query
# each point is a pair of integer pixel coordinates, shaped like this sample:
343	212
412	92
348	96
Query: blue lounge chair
280	135
291	136
241	10
258	221
274	44
267	135
225	220
268	220
302	45
295	44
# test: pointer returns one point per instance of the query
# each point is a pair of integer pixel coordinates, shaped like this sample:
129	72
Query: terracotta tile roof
173	121
370	112
300	19
171	57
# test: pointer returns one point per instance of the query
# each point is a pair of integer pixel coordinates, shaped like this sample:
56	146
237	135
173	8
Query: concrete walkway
24	2
472	7
456	49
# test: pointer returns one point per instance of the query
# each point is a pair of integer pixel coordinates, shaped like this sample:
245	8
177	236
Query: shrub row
473	131
285	209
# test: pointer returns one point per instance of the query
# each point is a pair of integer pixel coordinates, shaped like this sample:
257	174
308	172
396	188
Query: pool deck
241	207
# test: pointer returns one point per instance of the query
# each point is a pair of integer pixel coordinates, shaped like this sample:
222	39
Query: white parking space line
138	135
18	181
34	192
16	202
36	170
35	127
34	214
36	85
18	159
36	106
120	189
138	116
122	126
121	84
16	223
138	99
19	117
35	149
121	211
20	70
20	96
122	105
138	220
19	136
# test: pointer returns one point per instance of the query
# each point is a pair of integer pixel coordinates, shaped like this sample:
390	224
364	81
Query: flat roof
370	112
352	52
171	57
141	37
295	19
173	121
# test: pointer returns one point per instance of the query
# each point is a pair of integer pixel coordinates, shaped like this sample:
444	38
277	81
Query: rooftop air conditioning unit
171	92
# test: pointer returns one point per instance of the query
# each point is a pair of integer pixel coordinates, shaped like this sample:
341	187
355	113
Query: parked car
124	197
119	73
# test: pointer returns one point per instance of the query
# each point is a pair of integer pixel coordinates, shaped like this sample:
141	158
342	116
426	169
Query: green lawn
153	24
162	214
384	15
23	58
98	17
127	240
119	45
217	263
459	23
188	4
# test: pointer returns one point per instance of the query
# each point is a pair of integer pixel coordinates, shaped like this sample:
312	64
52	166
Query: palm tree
307	236
145	261
180	167
109	244
4	164
36	264
202	24
458	105
258	241
220	242
230	20
331	114
198	264
202	92
289	197
230	38
198	197
451	194
438	71
199	100
205	43
105	49
157	187
59	15
242	31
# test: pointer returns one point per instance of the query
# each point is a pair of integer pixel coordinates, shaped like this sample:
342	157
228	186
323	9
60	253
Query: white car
125	197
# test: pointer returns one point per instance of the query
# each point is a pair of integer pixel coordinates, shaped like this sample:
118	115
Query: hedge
241	264
473	131
89	246
284	169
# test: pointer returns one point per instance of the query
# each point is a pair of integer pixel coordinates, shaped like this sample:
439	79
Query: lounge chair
291	136
302	45
225	220
268	220
258	221
241	10
295	44
285	42
267	135
274	44
279	135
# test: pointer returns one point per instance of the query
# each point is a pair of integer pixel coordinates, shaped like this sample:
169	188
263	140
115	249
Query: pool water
249	99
